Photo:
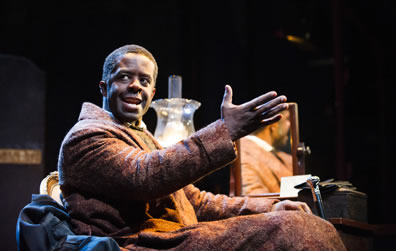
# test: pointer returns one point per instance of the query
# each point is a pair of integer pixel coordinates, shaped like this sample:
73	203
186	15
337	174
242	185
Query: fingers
292	205
268	121
254	103
276	105
301	206
227	99
306	208
273	111
273	115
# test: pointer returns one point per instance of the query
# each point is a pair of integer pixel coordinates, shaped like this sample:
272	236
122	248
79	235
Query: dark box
339	203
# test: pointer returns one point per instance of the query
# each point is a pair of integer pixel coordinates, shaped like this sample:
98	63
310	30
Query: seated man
118	181
262	163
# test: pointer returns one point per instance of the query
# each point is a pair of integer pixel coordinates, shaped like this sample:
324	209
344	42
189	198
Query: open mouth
131	104
132	100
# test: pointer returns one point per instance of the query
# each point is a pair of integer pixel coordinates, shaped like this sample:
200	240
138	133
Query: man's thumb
227	95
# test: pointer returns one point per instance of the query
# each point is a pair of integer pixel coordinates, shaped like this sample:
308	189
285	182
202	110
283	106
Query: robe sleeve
209	207
100	159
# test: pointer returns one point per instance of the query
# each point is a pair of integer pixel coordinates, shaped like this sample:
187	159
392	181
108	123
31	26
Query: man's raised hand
244	119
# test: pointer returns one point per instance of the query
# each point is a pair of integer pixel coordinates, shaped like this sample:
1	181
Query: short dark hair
112	59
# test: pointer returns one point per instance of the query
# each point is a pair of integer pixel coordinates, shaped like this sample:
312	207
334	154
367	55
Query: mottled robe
261	170
115	185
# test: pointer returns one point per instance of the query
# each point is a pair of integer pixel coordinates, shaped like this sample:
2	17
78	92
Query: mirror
266	155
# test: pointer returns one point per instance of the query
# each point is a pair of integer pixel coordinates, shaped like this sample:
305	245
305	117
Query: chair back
50	185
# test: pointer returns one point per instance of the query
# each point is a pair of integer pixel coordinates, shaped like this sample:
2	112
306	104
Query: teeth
133	101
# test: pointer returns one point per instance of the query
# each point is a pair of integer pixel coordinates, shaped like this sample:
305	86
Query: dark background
342	74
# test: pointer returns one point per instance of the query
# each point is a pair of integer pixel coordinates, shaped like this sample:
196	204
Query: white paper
287	185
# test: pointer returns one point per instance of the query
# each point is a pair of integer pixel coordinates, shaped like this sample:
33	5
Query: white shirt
262	143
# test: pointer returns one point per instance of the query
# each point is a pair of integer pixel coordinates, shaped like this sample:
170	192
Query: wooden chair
50	185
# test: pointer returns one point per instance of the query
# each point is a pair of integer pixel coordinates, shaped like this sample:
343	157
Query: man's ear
103	88
272	127
152	94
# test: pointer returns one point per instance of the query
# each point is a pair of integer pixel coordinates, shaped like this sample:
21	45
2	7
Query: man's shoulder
93	120
284	154
252	142
92	111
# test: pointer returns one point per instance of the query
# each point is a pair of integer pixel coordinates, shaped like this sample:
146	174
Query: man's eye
144	81
124	77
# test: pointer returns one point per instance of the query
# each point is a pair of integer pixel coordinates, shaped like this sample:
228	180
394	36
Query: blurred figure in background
262	162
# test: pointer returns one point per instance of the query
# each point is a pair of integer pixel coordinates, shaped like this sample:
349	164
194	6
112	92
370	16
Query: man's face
281	132
131	88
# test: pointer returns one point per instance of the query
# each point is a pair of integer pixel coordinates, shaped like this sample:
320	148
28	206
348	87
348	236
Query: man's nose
134	85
